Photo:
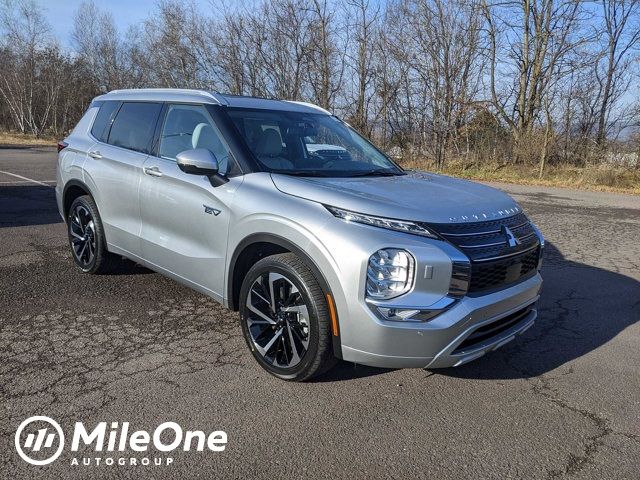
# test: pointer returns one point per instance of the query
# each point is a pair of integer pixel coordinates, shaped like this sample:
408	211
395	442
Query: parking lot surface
563	400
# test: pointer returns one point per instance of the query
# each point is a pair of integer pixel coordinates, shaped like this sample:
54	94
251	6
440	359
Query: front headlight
388	223
389	273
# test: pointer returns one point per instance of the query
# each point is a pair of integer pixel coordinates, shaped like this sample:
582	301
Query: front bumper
445	341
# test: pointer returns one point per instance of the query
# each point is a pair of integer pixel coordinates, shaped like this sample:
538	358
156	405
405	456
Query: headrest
269	143
201	131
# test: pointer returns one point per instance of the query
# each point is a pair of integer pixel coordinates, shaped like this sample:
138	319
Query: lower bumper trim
448	357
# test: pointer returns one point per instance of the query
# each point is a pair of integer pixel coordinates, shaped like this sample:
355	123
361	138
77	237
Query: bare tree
530	42
173	46
27	47
621	35
284	49
363	27
326	59
439	41
99	43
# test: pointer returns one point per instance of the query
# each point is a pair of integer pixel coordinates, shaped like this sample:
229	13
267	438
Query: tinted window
190	126
134	125
100	128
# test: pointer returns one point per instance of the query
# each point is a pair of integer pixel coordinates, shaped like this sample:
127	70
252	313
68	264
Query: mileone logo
40	440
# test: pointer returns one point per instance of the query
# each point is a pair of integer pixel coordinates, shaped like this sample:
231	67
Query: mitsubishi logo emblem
512	241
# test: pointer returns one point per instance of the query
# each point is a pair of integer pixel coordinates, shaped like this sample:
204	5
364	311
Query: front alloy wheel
285	319
278	320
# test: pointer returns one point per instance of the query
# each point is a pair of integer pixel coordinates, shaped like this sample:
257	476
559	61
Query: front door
185	220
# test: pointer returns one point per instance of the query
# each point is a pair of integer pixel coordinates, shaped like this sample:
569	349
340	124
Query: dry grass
10	138
606	178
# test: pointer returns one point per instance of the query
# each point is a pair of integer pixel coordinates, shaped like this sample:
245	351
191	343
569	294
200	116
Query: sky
60	14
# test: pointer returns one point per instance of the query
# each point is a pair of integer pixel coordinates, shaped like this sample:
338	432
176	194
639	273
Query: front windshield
309	144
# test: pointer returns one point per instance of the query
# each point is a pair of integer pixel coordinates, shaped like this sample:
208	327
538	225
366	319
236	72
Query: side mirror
198	161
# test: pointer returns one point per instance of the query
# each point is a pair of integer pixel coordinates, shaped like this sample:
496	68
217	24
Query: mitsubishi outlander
281	211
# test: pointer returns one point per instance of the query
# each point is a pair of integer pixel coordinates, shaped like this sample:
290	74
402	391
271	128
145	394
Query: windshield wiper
376	173
338	173
301	173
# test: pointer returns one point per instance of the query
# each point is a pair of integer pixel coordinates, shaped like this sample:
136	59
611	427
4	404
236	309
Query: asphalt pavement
563	400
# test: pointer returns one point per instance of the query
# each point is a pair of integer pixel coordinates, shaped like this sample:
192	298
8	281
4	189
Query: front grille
494	261
492	329
495	273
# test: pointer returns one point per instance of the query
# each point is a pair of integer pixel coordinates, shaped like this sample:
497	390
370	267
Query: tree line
530	81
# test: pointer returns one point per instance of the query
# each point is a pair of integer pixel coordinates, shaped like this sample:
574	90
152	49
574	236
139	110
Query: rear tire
86	238
285	318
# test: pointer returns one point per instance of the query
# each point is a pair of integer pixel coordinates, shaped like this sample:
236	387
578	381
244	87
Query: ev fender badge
211	210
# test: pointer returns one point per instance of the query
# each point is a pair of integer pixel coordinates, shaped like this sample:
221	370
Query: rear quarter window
100	128
134	126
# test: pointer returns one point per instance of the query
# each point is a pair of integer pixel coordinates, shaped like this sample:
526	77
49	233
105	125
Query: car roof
214	98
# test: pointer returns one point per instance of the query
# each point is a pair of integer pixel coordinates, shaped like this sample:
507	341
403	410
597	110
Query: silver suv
280	210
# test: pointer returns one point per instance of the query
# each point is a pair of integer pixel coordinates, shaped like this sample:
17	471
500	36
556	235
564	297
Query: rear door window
134	125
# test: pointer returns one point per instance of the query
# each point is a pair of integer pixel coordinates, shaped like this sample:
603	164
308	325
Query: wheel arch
73	189
259	245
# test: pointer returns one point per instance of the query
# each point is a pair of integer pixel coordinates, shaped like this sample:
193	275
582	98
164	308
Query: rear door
185	219
116	167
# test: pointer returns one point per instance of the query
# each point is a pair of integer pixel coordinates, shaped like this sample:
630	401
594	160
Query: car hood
417	196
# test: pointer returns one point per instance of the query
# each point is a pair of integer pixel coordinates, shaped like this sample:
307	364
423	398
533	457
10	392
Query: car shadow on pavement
349	371
129	267
581	308
29	205
25	205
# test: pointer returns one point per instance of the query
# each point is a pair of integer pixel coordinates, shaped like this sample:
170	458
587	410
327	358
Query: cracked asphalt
561	401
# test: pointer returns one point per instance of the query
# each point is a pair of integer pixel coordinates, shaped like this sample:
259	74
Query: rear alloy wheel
86	237
285	319
83	235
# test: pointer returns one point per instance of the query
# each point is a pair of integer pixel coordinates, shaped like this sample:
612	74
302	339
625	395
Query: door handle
153	171
95	154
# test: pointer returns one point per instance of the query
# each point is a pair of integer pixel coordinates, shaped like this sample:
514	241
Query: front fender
295	237
290	235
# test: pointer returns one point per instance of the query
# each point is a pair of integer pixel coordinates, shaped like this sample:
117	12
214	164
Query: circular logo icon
39	440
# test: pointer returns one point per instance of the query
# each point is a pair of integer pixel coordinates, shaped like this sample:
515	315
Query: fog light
389	273
401	313
407	314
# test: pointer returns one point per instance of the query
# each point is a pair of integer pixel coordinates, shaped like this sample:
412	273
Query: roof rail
150	92
219	98
310	105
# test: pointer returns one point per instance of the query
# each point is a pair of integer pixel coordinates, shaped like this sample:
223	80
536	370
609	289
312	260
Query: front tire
86	237
285	319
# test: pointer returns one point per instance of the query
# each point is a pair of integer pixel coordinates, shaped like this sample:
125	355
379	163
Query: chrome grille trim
491	232
483	245
491	259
